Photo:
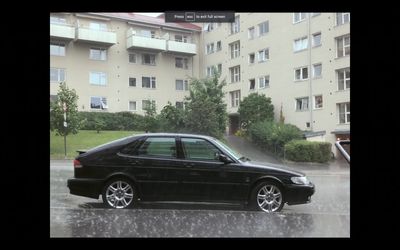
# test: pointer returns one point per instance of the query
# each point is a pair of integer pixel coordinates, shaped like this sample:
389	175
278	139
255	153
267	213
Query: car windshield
231	151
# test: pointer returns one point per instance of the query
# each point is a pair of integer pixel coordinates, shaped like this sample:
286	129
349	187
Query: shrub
308	151
111	121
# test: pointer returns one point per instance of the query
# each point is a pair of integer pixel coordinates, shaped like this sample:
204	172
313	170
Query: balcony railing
104	37
63	31
181	47
136	41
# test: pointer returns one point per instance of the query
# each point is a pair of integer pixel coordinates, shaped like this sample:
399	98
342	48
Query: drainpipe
310	74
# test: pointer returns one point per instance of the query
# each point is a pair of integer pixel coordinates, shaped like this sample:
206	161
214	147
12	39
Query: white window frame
304	100
300	44
185	85
313	70
342	38
60	72
134	55
58	20
103	103
235	74
254	86
340	18
219	48
219	68
251	33
235	26
346	81
102	78
100	27
58	47
103	54
263	82
176	62
301	73
210	48
129	82
183	39
320	39
152	82
263	55
302	16
262	25
147	100
315	102
152	62
129	105
235	98
235	49
254	58
346	112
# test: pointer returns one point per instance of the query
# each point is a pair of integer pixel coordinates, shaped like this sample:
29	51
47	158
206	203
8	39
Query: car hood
271	167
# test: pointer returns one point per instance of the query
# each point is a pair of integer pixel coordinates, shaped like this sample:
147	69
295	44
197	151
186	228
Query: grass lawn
85	139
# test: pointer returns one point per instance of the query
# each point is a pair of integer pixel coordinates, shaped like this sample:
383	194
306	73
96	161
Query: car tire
119	193
268	196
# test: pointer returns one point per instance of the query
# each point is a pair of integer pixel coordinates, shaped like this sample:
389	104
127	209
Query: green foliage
70	98
112	121
171	119
150	121
240	133
308	151
255	108
273	136
99	124
281	116
205	111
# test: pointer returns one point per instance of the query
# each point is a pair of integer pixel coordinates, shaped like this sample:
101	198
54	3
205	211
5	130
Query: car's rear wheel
268	197
119	193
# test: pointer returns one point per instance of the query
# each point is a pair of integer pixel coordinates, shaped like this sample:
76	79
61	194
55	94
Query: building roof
159	20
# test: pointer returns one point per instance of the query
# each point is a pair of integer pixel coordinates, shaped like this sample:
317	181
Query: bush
273	136
308	151
111	121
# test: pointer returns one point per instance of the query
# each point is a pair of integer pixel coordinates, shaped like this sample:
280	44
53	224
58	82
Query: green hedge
273	136
308	151
111	121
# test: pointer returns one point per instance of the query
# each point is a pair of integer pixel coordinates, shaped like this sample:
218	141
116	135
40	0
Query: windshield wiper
244	158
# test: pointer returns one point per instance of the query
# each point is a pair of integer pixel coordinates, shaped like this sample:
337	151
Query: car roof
175	134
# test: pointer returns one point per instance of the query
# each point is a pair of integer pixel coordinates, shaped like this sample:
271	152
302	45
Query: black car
186	168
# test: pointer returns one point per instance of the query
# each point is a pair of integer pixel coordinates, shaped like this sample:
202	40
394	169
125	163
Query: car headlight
300	180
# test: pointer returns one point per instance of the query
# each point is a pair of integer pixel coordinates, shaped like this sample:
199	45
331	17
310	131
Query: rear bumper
299	194
85	187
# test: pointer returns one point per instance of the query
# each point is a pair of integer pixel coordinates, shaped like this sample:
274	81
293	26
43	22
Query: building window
98	26
252	57
316	39
181	85
181	38
57	75
263	82
98	54
251	33
219	68
98	78
148	33
343	46
146	104
132	58
235	26
318	102
263	55
342	18
208	27
149	82
148	59
252	84
302	104
298	17
179	105
301	74
263	28
317	70
210	48
98	102
132	105
219	46
343	76
132	82
57	20
181	63
313	14
235	98
344	112
235	74
235	49
57	49
300	44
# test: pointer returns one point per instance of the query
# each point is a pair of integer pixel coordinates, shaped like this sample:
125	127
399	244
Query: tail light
77	164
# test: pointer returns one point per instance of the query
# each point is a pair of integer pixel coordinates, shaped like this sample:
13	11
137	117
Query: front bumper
85	187
299	194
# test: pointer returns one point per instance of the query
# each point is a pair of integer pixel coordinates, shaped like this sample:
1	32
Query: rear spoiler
339	144
81	151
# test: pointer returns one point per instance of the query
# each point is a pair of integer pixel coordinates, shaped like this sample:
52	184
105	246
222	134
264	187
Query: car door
205	177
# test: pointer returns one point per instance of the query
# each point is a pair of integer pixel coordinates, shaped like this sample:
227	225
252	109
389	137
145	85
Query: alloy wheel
269	198
119	194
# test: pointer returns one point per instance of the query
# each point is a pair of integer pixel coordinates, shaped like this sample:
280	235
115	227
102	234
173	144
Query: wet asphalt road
328	215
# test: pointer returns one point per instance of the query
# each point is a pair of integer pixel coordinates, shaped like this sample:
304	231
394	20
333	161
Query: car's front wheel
268	197
119	193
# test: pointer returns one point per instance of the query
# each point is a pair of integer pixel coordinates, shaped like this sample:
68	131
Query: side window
199	149
131	149
158	147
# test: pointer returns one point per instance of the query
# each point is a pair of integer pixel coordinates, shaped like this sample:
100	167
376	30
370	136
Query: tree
69	98
171	119
150	119
205	108
255	108
281	116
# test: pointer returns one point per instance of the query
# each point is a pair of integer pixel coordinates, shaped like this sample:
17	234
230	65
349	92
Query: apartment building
120	61
300	60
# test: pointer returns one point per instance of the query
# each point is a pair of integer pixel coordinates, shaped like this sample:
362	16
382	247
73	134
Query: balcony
181	48
134	41
107	38
62	31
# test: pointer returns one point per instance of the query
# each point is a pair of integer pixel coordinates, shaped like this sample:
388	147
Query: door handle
189	165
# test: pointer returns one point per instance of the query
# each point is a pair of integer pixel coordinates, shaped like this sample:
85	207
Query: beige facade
300	60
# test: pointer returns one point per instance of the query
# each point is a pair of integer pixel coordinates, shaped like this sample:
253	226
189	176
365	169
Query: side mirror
224	158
